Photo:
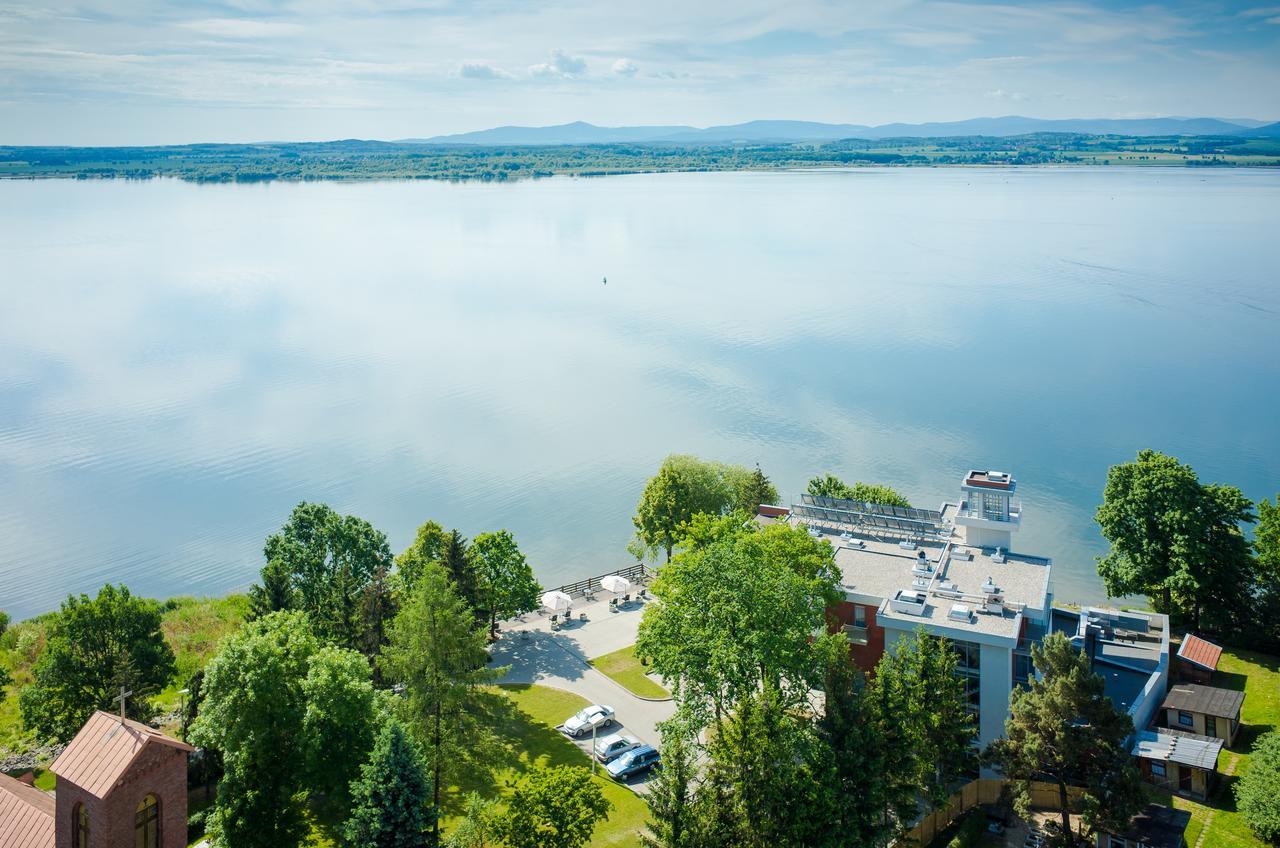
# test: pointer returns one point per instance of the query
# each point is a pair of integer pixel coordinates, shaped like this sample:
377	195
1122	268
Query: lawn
1258	675
626	670
526	717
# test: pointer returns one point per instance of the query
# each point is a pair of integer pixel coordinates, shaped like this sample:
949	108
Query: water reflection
179	365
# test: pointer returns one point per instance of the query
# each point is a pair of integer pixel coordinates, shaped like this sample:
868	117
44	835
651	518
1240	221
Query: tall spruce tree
672	812
274	593
391	800
461	569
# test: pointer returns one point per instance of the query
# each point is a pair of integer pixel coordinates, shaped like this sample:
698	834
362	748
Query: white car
614	745
587	719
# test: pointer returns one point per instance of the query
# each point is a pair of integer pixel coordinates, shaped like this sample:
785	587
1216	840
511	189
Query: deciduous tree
1258	792
438	651
253	714
831	486
686	486
1173	539
505	582
426	548
558	806
337	724
750	489
392	797
331	558
476	828
736	613
1064	728
95	646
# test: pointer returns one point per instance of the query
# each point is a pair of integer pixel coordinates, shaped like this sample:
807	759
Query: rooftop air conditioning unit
997	555
960	612
989	588
907	546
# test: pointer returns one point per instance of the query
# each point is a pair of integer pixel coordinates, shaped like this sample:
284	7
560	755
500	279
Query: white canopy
556	600
615	583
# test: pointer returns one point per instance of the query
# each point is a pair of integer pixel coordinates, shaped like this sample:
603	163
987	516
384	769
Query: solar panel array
872	517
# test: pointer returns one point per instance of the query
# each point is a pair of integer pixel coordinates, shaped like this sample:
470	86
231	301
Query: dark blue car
635	762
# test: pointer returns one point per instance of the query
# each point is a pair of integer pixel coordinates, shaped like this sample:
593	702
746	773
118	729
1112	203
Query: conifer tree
275	593
1065	728
391	800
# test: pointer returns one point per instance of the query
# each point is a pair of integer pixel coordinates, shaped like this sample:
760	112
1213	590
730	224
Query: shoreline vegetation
357	160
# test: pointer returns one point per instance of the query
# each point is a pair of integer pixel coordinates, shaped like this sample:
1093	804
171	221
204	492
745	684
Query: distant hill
1265	131
580	132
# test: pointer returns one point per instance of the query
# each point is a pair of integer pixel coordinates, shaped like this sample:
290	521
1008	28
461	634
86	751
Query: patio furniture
642	594
613	605
555	622
582	616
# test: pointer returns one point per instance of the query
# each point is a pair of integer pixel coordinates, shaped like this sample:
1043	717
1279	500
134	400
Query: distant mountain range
580	132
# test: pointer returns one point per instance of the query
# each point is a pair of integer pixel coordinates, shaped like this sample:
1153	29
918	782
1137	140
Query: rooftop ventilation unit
989	588
960	612
907	546
961	554
908	601
998	555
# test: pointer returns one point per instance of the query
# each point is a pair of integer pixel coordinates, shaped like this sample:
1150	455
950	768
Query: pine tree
391	799
1062	728
453	556
671	797
275	593
757	489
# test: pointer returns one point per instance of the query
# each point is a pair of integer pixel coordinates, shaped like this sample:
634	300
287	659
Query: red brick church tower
120	784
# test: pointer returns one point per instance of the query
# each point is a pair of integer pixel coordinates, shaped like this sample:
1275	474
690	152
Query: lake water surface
181	364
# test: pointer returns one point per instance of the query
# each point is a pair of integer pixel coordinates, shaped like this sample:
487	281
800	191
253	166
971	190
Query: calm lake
181	364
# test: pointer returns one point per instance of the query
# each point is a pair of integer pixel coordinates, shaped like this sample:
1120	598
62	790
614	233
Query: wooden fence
1044	796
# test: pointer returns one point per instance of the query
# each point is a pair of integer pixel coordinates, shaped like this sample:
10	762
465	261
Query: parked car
614	745
635	762
587	719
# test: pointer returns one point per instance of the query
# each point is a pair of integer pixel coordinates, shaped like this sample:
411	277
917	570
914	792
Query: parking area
561	657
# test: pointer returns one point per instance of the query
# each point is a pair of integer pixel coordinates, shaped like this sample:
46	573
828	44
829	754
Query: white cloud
241	28
933	39
1001	94
481	71
625	68
561	65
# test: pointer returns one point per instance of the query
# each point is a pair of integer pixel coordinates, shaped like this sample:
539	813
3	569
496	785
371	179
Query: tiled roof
1207	700
1198	651
1196	751
103	750
26	815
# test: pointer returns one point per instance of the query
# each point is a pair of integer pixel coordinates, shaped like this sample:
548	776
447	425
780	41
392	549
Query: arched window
79	827
146	823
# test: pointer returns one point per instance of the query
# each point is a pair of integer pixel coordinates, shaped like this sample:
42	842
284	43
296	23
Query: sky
178	71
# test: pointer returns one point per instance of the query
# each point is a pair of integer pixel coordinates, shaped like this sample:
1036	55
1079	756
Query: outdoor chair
582	616
642	594
613	605
555	622
626	599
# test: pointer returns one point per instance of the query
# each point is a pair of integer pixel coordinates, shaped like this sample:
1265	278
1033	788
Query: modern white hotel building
955	572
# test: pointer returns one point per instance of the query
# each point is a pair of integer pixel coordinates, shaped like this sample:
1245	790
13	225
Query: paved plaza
560	659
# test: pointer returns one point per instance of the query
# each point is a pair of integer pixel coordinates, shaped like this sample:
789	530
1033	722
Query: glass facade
969	669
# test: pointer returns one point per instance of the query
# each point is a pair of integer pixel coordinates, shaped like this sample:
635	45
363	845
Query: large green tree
505	585
686	486
426	548
1264	629
1174	539
253	714
673	821
774	775
831	486
1258	791
332	559
739	611
95	646
558	806
392	796
438	651
1063	729
337	724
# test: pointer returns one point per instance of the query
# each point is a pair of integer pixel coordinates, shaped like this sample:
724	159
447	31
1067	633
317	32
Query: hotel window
859	615
1157	768
992	506
1022	669
1186	719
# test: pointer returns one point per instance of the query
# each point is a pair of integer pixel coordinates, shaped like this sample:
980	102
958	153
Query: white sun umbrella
556	600
615	583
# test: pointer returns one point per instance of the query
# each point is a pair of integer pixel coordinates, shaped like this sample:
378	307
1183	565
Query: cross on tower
123	695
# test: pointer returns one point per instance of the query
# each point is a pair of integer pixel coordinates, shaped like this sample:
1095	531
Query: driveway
559	659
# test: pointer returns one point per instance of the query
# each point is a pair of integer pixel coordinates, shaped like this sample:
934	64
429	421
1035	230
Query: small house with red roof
1197	659
121	784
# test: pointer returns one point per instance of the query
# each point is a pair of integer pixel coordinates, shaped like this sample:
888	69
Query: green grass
525	719
626	670
1258	676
